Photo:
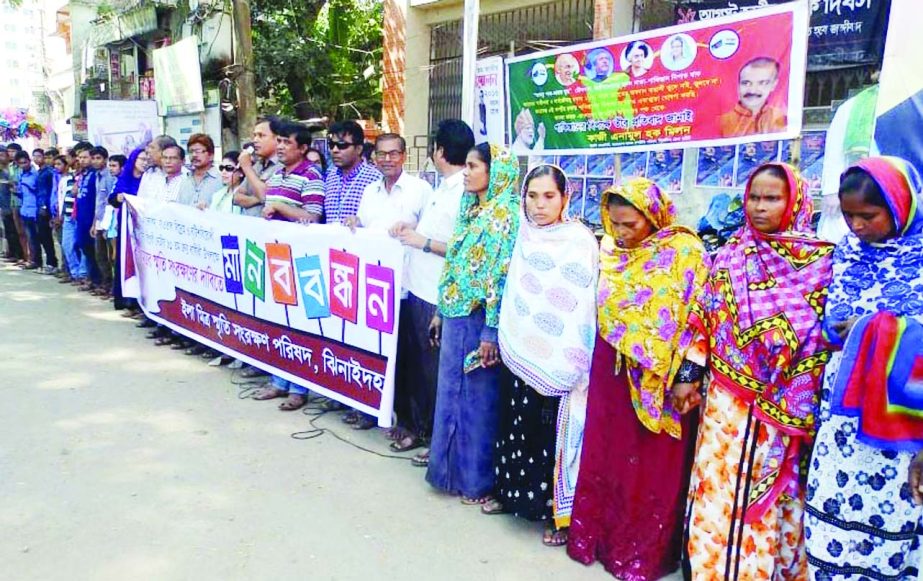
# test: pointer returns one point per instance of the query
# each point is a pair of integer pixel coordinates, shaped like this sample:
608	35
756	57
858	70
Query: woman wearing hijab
477	260
634	470
546	342
761	314
861	518
126	185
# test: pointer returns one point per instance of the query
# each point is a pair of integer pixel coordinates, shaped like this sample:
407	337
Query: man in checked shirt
351	173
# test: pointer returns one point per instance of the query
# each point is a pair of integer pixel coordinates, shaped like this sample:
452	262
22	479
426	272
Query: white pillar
469	58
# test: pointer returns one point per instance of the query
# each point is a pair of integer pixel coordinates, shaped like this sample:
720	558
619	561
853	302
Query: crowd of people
655	403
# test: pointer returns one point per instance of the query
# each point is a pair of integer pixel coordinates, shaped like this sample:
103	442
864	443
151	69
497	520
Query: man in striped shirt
296	192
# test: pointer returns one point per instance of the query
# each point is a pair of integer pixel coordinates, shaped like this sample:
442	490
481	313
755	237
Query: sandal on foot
294	401
555	537
492	506
468	501
421	460
269	393
396	434
406	444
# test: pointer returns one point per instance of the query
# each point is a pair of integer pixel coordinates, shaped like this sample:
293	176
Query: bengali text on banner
719	82
316	305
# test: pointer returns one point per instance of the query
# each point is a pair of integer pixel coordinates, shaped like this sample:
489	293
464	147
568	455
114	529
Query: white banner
489	101
317	305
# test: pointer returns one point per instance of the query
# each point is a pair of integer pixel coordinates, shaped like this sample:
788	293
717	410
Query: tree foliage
313	58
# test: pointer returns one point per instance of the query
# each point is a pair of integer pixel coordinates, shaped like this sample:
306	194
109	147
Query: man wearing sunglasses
351	174
258	164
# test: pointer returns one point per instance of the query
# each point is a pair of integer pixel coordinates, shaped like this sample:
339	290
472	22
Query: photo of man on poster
752	114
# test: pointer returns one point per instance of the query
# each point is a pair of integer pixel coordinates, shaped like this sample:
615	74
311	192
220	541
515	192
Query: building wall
20	53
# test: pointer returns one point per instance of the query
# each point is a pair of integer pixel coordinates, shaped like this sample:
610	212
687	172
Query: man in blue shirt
85	214
35	192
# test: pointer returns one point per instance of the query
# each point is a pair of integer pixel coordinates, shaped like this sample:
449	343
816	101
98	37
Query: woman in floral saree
637	448
461	459
761	314
861	520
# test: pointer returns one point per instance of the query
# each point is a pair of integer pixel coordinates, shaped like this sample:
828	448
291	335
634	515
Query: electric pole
246	91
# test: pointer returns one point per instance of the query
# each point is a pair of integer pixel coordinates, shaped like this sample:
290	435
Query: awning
133	22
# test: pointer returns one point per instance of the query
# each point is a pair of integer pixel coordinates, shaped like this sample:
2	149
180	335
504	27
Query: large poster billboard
720	82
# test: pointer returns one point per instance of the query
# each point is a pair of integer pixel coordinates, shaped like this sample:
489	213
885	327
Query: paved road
120	460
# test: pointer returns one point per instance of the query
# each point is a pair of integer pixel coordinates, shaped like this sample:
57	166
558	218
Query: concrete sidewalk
125	461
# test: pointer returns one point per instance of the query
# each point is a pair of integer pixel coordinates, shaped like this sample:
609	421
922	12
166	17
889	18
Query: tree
318	58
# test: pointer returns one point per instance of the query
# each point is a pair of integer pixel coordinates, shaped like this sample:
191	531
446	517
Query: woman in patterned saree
547	326
637	448
861	519
761	314
461	459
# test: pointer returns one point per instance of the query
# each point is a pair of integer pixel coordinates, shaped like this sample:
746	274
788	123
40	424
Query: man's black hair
350	128
294	129
100	151
456	139
275	123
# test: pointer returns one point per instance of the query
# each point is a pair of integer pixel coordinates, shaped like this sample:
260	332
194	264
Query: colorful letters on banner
230	253
255	271
280	273
379	297
313	287
344	285
192	272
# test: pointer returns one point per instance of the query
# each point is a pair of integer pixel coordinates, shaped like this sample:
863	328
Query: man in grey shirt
251	195
198	186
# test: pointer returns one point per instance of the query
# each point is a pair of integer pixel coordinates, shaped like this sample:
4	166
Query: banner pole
469	59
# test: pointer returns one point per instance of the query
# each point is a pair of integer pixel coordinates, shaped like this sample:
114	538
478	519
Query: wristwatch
427	248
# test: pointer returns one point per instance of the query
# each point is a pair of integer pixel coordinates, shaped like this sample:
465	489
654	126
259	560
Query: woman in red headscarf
761	317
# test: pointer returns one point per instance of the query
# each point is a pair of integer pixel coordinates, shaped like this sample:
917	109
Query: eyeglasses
383	155
227	167
340	144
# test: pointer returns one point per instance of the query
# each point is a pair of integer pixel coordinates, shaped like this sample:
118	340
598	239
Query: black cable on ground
246	386
316	410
